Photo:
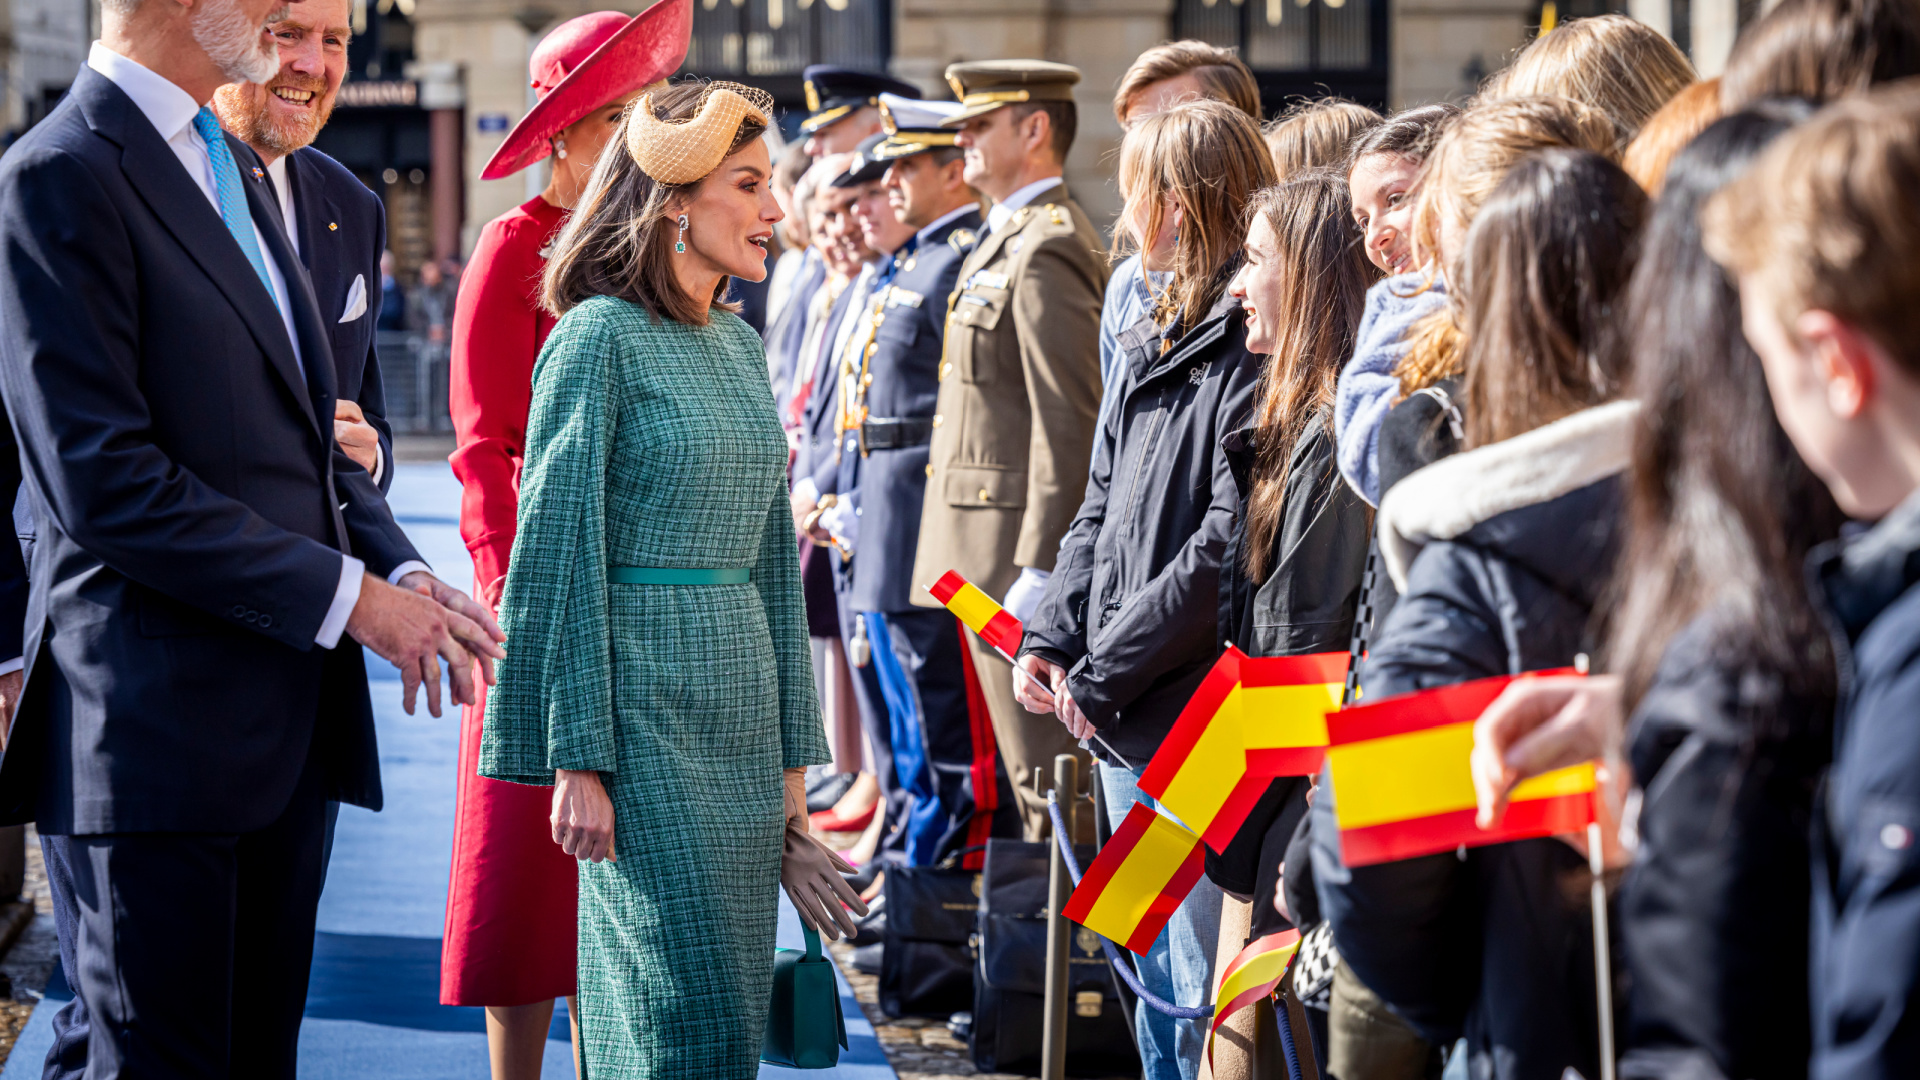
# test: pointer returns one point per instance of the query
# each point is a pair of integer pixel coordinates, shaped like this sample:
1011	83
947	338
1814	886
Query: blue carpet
373	1002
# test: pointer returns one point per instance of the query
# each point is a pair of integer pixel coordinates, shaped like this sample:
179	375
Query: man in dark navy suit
204	545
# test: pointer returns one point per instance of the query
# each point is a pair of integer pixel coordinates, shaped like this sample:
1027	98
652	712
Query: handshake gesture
420	621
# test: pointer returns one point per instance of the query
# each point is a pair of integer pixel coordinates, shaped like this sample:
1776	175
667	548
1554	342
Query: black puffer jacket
1713	914
1306	605
1500	554
1131	607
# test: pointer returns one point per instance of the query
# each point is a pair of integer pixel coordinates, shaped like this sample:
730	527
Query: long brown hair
1208	156
1323	297
1613	63
619	241
1821	50
1720	510
1467	164
1544	263
1317	134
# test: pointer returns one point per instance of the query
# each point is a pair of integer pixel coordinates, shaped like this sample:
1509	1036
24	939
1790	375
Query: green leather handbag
805	1029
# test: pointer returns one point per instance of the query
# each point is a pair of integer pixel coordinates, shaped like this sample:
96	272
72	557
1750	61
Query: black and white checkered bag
1313	966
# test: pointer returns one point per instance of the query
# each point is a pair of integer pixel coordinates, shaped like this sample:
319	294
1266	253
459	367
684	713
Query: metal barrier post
1053	1037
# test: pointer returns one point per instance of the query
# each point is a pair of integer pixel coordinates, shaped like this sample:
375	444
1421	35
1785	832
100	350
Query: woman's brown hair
1821	50
1206	155
1317	134
619	240
1544	264
1673	127
1613	63
1467	164
1324	294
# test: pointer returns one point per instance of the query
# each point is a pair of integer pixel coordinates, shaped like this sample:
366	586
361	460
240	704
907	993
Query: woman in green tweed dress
657	670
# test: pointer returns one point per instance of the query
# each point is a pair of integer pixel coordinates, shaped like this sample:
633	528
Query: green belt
661	575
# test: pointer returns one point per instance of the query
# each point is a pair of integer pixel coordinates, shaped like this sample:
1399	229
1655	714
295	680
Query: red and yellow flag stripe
978	611
1251	719
1137	881
1403	785
1252	975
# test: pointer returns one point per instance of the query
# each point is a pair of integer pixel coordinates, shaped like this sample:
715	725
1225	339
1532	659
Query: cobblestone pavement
29	963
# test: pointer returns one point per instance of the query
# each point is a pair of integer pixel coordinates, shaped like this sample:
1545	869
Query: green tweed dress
656	444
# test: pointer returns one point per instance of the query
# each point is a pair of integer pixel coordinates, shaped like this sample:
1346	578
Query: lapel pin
333	226
258	174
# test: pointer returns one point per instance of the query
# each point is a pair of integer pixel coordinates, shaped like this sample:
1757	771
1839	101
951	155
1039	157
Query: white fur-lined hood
1452	495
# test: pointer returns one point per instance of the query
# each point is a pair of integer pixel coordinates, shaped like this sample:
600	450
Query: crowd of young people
1592	369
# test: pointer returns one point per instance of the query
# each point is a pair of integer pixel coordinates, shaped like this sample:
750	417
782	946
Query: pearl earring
680	245
560	148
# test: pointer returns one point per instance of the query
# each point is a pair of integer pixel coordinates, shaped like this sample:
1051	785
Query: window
1298	47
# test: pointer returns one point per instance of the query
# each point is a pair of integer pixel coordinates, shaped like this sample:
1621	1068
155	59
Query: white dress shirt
1002	212
171	111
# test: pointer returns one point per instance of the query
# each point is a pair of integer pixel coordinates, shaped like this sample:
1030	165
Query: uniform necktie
232	199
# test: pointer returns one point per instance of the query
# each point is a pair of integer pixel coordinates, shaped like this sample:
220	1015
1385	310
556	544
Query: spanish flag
1251	719
1139	878
1251	976
979	612
1403	787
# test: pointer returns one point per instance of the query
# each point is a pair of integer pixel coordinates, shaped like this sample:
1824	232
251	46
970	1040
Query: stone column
443	95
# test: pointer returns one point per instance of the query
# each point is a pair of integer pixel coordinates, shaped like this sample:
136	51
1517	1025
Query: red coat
511	903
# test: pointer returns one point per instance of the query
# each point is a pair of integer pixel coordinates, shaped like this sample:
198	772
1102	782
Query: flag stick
1043	688
1602	950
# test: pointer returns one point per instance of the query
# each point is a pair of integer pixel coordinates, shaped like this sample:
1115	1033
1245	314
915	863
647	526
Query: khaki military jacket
1019	399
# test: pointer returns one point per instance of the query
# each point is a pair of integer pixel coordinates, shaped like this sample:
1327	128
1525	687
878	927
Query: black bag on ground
1009	995
926	966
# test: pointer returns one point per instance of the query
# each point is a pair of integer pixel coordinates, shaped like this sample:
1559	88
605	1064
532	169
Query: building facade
1389	53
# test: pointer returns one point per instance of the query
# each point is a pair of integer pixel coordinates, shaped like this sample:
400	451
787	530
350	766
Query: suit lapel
990	246
316	389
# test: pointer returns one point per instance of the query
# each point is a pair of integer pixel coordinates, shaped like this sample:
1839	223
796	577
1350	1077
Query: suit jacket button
936	419
946	369
983	494
239	611
929	470
266	621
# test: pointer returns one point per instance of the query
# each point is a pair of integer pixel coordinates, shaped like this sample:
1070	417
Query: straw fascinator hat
587	62
679	152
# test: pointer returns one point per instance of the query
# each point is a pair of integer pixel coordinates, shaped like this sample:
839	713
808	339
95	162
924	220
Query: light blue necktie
233	200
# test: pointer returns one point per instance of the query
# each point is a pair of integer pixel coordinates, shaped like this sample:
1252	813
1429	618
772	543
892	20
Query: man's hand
582	816
412	630
803	504
355	436
1029	695
10	685
1538	725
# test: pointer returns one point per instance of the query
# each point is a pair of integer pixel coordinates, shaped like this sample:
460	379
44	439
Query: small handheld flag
978	611
1251	976
1251	719
1403	786
1137	881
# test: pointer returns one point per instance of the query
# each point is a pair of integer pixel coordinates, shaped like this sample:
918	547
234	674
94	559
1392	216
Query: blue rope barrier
1119	962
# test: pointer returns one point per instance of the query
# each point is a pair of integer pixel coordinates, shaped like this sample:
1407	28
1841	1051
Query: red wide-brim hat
585	63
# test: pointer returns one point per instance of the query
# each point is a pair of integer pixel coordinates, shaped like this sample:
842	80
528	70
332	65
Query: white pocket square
356	299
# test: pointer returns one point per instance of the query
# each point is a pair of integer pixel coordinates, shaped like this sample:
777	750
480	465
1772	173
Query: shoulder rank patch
1058	215
987	279
1020	217
961	239
899	297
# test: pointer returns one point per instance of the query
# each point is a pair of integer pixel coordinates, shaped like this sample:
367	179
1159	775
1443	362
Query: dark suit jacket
815	458
784	337
905	366
342	230
191	503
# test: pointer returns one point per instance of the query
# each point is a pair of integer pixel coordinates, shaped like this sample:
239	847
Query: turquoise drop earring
680	245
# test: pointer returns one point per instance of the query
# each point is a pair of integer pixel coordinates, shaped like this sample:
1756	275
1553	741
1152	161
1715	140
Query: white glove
1025	594
842	522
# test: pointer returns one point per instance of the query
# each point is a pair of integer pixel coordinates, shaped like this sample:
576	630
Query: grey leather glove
810	871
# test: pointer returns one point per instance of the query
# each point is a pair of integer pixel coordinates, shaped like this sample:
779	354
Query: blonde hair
1222	75
1467	164
1674	126
1317	134
1826	219
1206	155
1613	63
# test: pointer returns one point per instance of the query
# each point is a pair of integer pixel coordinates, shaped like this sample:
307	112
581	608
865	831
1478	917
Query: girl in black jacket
1127	626
1723	659
1500	554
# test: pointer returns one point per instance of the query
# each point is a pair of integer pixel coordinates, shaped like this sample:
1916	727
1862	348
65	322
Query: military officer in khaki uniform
1020	381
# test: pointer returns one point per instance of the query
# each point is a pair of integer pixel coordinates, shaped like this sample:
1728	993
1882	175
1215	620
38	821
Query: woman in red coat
509	941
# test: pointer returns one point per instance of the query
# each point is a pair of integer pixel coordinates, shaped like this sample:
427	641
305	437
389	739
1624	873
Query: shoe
871	927
829	821
866	958
823	795
960	1025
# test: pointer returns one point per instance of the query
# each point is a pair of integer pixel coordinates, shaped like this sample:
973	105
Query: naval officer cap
865	165
834	92
985	85
913	127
